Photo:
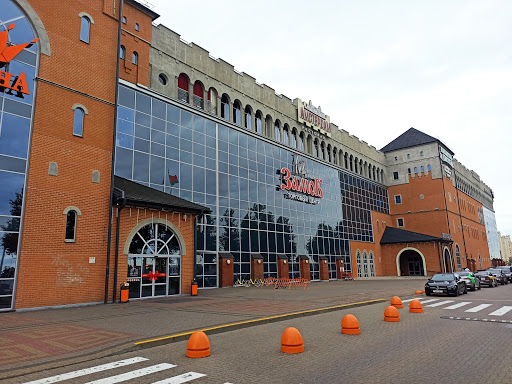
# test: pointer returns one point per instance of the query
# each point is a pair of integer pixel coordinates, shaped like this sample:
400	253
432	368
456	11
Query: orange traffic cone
391	314
198	345
350	325
418	292
423	291
396	302
291	341
415	307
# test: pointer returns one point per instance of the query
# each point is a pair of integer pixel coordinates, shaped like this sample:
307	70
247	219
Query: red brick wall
257	270
324	269
51	271
282	268
226	271
305	269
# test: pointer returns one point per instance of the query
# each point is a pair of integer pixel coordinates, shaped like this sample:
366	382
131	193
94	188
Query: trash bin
125	292
194	288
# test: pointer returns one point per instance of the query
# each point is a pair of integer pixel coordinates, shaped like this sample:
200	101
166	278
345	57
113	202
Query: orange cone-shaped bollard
423	291
415	307
418	292
291	341
396	302
350	325
198	345
391	314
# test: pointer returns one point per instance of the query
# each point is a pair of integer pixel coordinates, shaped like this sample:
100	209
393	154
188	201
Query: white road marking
133	374
429	301
501	311
478	308
458	305
440	303
181	378
87	371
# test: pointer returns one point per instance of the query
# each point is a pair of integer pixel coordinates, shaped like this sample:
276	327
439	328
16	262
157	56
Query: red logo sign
302	185
7	53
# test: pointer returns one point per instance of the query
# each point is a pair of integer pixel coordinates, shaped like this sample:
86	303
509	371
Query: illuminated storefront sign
8	81
313	117
300	186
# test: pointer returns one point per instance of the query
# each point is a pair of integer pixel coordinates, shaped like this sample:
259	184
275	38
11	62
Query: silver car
472	281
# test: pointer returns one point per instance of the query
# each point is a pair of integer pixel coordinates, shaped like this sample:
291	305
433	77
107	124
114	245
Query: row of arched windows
256	121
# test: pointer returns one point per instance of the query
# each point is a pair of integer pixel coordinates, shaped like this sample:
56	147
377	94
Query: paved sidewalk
54	337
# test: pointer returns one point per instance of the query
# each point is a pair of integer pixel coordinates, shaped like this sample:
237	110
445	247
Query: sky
378	68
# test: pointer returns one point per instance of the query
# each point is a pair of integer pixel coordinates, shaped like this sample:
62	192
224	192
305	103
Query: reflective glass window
85	29
78	122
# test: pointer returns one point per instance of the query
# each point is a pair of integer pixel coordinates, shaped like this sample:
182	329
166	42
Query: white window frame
400	197
398	222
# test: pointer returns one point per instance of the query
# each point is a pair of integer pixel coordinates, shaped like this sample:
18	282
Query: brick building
127	154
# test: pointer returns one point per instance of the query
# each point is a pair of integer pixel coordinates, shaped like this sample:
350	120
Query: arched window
315	148
372	264
248	118
329	159
301	142
294	138
422	169
211	106
356	162
259	128
137	27
359	265
71	226
373	170
135	58
351	163
78	122
183	83
224	107
122	52
415	170
429	168
197	98
85	29
277	131
322	150
457	254
335	156
286	138
365	264
346	160
237	113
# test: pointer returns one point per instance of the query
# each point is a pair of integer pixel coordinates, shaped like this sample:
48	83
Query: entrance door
154	276
154	262
206	270
415	267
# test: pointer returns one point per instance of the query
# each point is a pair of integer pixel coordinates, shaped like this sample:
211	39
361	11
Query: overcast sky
378	67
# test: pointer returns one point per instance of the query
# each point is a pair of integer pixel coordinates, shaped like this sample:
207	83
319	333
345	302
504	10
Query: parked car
507	269
500	275
487	278
472	281
445	283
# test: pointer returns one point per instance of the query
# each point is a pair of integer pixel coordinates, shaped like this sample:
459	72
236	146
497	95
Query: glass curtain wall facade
15	125
238	176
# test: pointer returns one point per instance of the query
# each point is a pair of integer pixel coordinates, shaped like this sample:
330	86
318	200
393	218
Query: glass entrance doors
206	269
154	262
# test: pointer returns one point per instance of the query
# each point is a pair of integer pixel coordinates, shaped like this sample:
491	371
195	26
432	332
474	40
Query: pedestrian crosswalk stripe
478	308
429	301
88	371
133	374
501	311
181	378
440	303
458	305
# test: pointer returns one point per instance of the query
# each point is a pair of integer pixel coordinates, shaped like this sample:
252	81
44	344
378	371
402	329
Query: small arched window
277	132
122	52
237	113
135	58
85	29
124	19
137	27
71	226
286	138
301	142
224	109
258	123
315	148
429	168
78	123
294	138
248	118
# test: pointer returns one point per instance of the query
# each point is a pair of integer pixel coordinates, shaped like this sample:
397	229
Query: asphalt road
457	339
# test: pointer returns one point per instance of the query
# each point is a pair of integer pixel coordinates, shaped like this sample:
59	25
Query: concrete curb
248	323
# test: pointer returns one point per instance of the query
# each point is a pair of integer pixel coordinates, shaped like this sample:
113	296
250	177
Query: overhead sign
8	81
299	185
313	117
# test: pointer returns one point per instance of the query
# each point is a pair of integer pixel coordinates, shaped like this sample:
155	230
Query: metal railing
198	101
182	95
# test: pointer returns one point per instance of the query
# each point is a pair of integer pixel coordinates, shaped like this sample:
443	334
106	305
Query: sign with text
298	184
9	81
313	117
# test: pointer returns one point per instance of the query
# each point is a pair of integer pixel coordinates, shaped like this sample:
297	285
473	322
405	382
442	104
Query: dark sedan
446	283
487	278
500	275
507	270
